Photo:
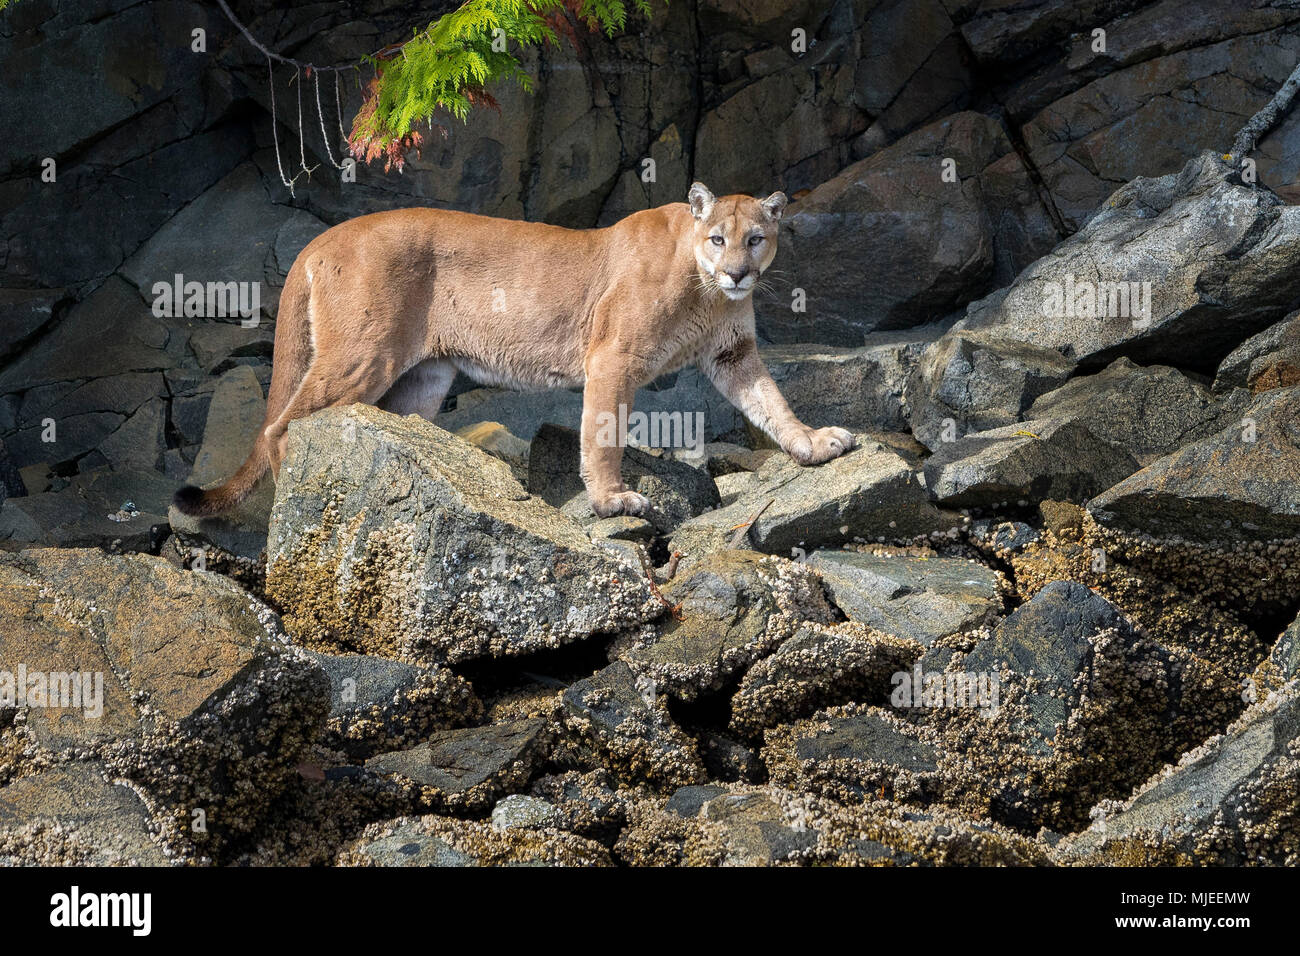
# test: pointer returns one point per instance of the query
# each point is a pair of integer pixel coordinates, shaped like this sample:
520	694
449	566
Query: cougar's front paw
621	503
820	444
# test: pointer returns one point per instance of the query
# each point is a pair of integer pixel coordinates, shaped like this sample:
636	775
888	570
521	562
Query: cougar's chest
686	331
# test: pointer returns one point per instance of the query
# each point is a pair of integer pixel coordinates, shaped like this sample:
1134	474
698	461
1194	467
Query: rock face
390	535
1232	486
936	241
185	684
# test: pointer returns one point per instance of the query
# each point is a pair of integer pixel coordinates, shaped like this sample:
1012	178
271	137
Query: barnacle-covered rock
178	681
393	537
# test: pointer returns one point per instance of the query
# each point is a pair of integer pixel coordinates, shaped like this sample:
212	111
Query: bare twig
743	529
670	569
1263	121
674	609
258	45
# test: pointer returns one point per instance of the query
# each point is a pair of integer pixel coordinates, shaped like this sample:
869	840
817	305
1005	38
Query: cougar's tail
290	361
204	504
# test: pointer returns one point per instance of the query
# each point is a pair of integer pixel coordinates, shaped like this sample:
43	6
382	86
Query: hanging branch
320	114
445	68
275	135
1263	121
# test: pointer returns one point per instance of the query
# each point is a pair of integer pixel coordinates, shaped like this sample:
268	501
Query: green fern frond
447	66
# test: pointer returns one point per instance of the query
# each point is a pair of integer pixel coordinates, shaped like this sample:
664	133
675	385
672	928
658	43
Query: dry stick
674	609
324	136
670	569
225	8
1264	120
743	529
275	135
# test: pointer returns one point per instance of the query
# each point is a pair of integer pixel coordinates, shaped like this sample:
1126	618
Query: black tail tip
188	500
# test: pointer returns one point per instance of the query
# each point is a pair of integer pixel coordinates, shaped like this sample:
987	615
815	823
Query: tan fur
383	309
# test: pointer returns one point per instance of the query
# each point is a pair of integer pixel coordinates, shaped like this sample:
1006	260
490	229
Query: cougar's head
735	238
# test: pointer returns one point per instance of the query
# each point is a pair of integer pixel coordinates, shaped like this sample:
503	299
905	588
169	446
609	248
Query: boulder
70	815
1176	270
187	687
1228	802
819	666
393	537
441	841
628	729
855	754
973	382
920	597
747	825
677	490
1144	412
117	510
1233	486
235	415
870	492
731	608
380	705
468	769
1025	463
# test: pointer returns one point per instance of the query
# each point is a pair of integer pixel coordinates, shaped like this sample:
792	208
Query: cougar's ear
701	200
774	204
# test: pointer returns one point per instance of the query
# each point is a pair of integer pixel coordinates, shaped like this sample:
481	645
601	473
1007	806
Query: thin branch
257	44
743	529
1263	121
320	114
275	134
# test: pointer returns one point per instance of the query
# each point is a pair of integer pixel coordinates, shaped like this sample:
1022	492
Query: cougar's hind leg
333	379
421	390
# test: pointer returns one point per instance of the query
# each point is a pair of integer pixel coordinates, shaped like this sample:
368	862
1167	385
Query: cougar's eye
718	240
755	240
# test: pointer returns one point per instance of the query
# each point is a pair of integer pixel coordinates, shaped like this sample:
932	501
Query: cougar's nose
737	276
